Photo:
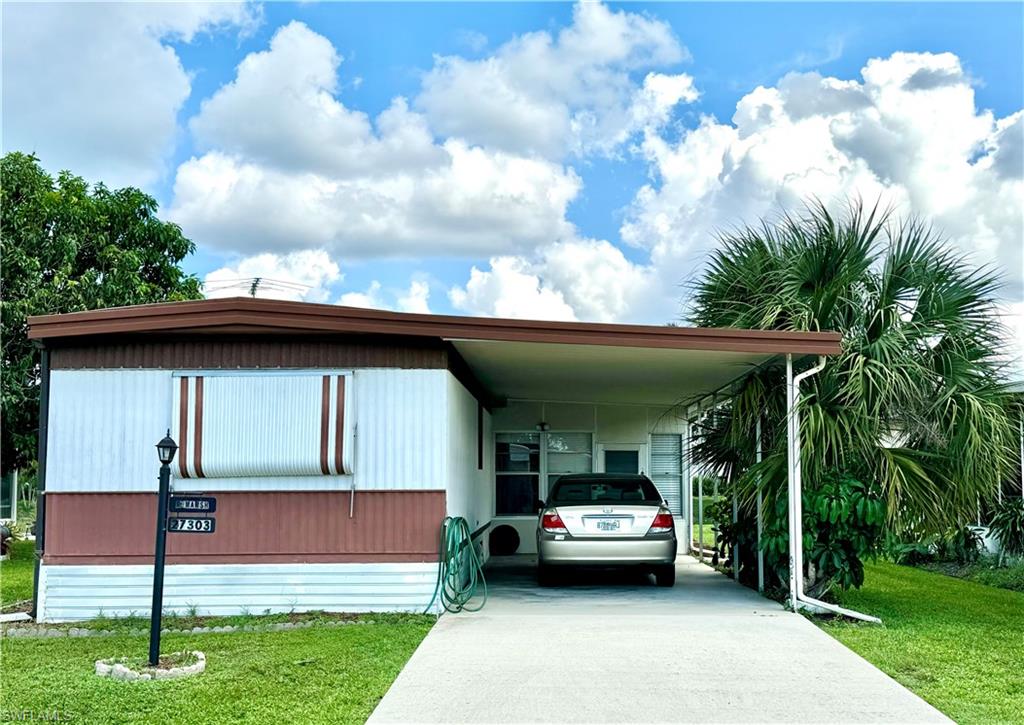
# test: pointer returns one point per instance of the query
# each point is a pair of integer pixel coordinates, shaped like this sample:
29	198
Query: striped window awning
260	424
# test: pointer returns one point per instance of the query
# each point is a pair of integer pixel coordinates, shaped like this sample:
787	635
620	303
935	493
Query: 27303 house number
192	524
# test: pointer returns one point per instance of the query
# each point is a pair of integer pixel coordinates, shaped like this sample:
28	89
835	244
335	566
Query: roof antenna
254	286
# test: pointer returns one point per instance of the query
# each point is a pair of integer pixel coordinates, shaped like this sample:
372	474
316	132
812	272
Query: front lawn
320	675
16	573
957	644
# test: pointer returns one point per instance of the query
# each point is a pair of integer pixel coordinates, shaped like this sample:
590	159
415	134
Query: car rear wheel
545	577
665	575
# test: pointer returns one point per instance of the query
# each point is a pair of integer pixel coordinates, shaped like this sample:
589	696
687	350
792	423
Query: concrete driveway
619	649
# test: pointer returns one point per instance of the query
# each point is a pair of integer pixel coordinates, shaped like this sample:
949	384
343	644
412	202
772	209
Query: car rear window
634	490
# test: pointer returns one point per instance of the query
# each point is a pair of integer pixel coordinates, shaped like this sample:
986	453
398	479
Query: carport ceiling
601	374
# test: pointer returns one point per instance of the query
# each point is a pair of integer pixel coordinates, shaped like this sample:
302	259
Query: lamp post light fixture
165	450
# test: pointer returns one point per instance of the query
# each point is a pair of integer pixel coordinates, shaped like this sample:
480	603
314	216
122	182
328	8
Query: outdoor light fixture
542	426
166	449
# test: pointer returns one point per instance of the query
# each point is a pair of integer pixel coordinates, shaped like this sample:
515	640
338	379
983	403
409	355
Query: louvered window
667	468
262	424
568	453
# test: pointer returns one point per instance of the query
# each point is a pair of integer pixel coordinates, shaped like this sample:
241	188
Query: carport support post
700	517
687	491
760	509
735	549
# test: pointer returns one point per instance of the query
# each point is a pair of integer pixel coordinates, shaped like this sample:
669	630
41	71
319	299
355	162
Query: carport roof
517	359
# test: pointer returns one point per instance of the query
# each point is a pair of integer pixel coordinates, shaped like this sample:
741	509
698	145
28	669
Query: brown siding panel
265	527
197	353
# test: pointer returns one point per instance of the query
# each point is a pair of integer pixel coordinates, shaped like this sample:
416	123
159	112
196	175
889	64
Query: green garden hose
459	570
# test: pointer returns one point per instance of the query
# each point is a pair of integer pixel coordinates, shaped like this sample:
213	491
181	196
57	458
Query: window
568	453
616	461
528	464
517	473
636	490
250	424
667	468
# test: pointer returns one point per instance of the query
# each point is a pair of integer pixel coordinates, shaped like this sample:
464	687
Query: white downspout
760	513
791	463
796	529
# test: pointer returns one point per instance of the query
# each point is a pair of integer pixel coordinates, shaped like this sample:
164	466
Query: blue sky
734	47
671	122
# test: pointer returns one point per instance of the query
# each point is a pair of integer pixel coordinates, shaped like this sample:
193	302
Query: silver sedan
606	519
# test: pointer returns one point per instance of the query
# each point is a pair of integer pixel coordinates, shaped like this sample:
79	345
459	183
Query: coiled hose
459	570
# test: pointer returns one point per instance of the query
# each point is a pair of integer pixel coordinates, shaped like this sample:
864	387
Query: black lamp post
165	451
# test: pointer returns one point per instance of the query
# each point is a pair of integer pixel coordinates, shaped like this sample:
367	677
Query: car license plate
608	525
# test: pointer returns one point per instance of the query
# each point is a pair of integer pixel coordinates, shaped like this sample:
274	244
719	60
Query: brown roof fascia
247	315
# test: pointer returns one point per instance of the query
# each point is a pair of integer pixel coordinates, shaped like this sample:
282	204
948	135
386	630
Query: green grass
709	535
16	573
956	643
316	675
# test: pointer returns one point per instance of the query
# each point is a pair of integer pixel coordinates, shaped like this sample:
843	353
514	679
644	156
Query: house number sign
188	515
192	524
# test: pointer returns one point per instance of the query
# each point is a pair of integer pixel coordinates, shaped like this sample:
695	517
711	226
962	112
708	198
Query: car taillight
662	523
551	522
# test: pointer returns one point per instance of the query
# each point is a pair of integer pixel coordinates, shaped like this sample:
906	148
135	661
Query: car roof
582	477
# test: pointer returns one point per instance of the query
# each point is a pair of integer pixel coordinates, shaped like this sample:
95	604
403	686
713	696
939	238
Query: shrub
962	545
843	520
1007	525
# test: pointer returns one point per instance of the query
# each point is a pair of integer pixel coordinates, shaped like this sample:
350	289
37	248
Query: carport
575	397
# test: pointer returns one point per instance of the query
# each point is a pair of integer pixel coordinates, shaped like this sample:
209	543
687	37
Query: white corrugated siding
84	592
104	426
470	489
401	429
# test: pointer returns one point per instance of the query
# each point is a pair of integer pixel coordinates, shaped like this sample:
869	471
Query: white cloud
479	202
97	88
302	126
555	95
909	132
510	288
416	298
578	278
314	173
301	276
371	298
413	299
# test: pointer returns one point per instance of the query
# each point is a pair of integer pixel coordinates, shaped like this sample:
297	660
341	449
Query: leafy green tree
68	247
911	413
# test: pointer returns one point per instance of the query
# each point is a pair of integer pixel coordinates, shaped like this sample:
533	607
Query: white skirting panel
68	593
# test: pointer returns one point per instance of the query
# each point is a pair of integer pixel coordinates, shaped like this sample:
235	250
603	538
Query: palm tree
914	404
